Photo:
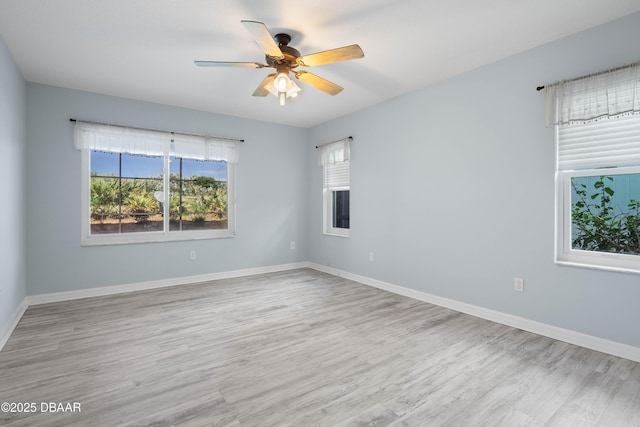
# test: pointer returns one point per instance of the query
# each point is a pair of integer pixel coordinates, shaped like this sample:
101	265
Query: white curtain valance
204	148
608	94
334	152
120	139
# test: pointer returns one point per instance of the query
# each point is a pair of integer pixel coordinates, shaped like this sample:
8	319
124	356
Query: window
142	186
340	209
122	193
597	123
336	199
334	158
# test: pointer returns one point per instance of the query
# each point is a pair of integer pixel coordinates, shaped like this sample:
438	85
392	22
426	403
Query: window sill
335	234
594	266
151	237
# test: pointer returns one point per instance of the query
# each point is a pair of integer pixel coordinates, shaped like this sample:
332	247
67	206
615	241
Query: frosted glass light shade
282	82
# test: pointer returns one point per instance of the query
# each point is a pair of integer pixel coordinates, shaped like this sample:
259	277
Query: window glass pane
105	197
198	194
122	193
341	209
605	213
105	207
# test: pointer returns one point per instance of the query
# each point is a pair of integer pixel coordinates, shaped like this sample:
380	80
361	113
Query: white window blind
120	139
336	176
599	144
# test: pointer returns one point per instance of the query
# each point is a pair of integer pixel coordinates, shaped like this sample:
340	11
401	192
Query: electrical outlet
371	257
192	255
518	284
293	244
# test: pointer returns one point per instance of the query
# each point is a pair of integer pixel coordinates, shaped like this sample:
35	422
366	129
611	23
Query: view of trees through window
605	213
127	194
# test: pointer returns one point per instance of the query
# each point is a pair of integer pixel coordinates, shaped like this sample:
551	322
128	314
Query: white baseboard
588	341
8	329
572	337
154	284
131	287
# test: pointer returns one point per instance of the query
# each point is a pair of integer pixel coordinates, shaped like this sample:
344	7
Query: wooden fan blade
334	55
262	90
319	83
229	64
265	40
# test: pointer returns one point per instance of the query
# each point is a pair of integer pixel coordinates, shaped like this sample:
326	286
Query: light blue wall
453	190
12	162
271	196
474	140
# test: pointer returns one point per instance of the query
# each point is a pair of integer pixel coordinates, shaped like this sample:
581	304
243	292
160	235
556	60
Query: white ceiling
144	49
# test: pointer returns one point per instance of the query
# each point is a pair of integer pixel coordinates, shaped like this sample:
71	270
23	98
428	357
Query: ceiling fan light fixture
282	82
293	90
283	88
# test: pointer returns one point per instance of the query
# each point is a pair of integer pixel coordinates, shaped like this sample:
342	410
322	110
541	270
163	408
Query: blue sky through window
144	166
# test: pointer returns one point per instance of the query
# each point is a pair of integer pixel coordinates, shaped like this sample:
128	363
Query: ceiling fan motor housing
290	54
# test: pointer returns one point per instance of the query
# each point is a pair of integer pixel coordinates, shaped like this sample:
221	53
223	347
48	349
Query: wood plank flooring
300	348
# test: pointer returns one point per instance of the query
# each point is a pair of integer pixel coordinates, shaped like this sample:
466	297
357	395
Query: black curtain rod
156	130
611	70
350	138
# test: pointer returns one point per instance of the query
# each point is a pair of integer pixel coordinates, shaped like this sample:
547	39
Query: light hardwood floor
300	348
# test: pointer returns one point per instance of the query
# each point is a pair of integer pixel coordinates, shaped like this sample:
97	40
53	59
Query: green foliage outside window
599	222
202	198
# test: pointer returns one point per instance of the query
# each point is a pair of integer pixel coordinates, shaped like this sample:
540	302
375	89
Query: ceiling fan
285	59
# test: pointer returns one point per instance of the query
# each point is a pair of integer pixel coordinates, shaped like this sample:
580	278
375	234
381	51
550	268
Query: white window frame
327	220
89	239
90	137
336	155
565	254
597	133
